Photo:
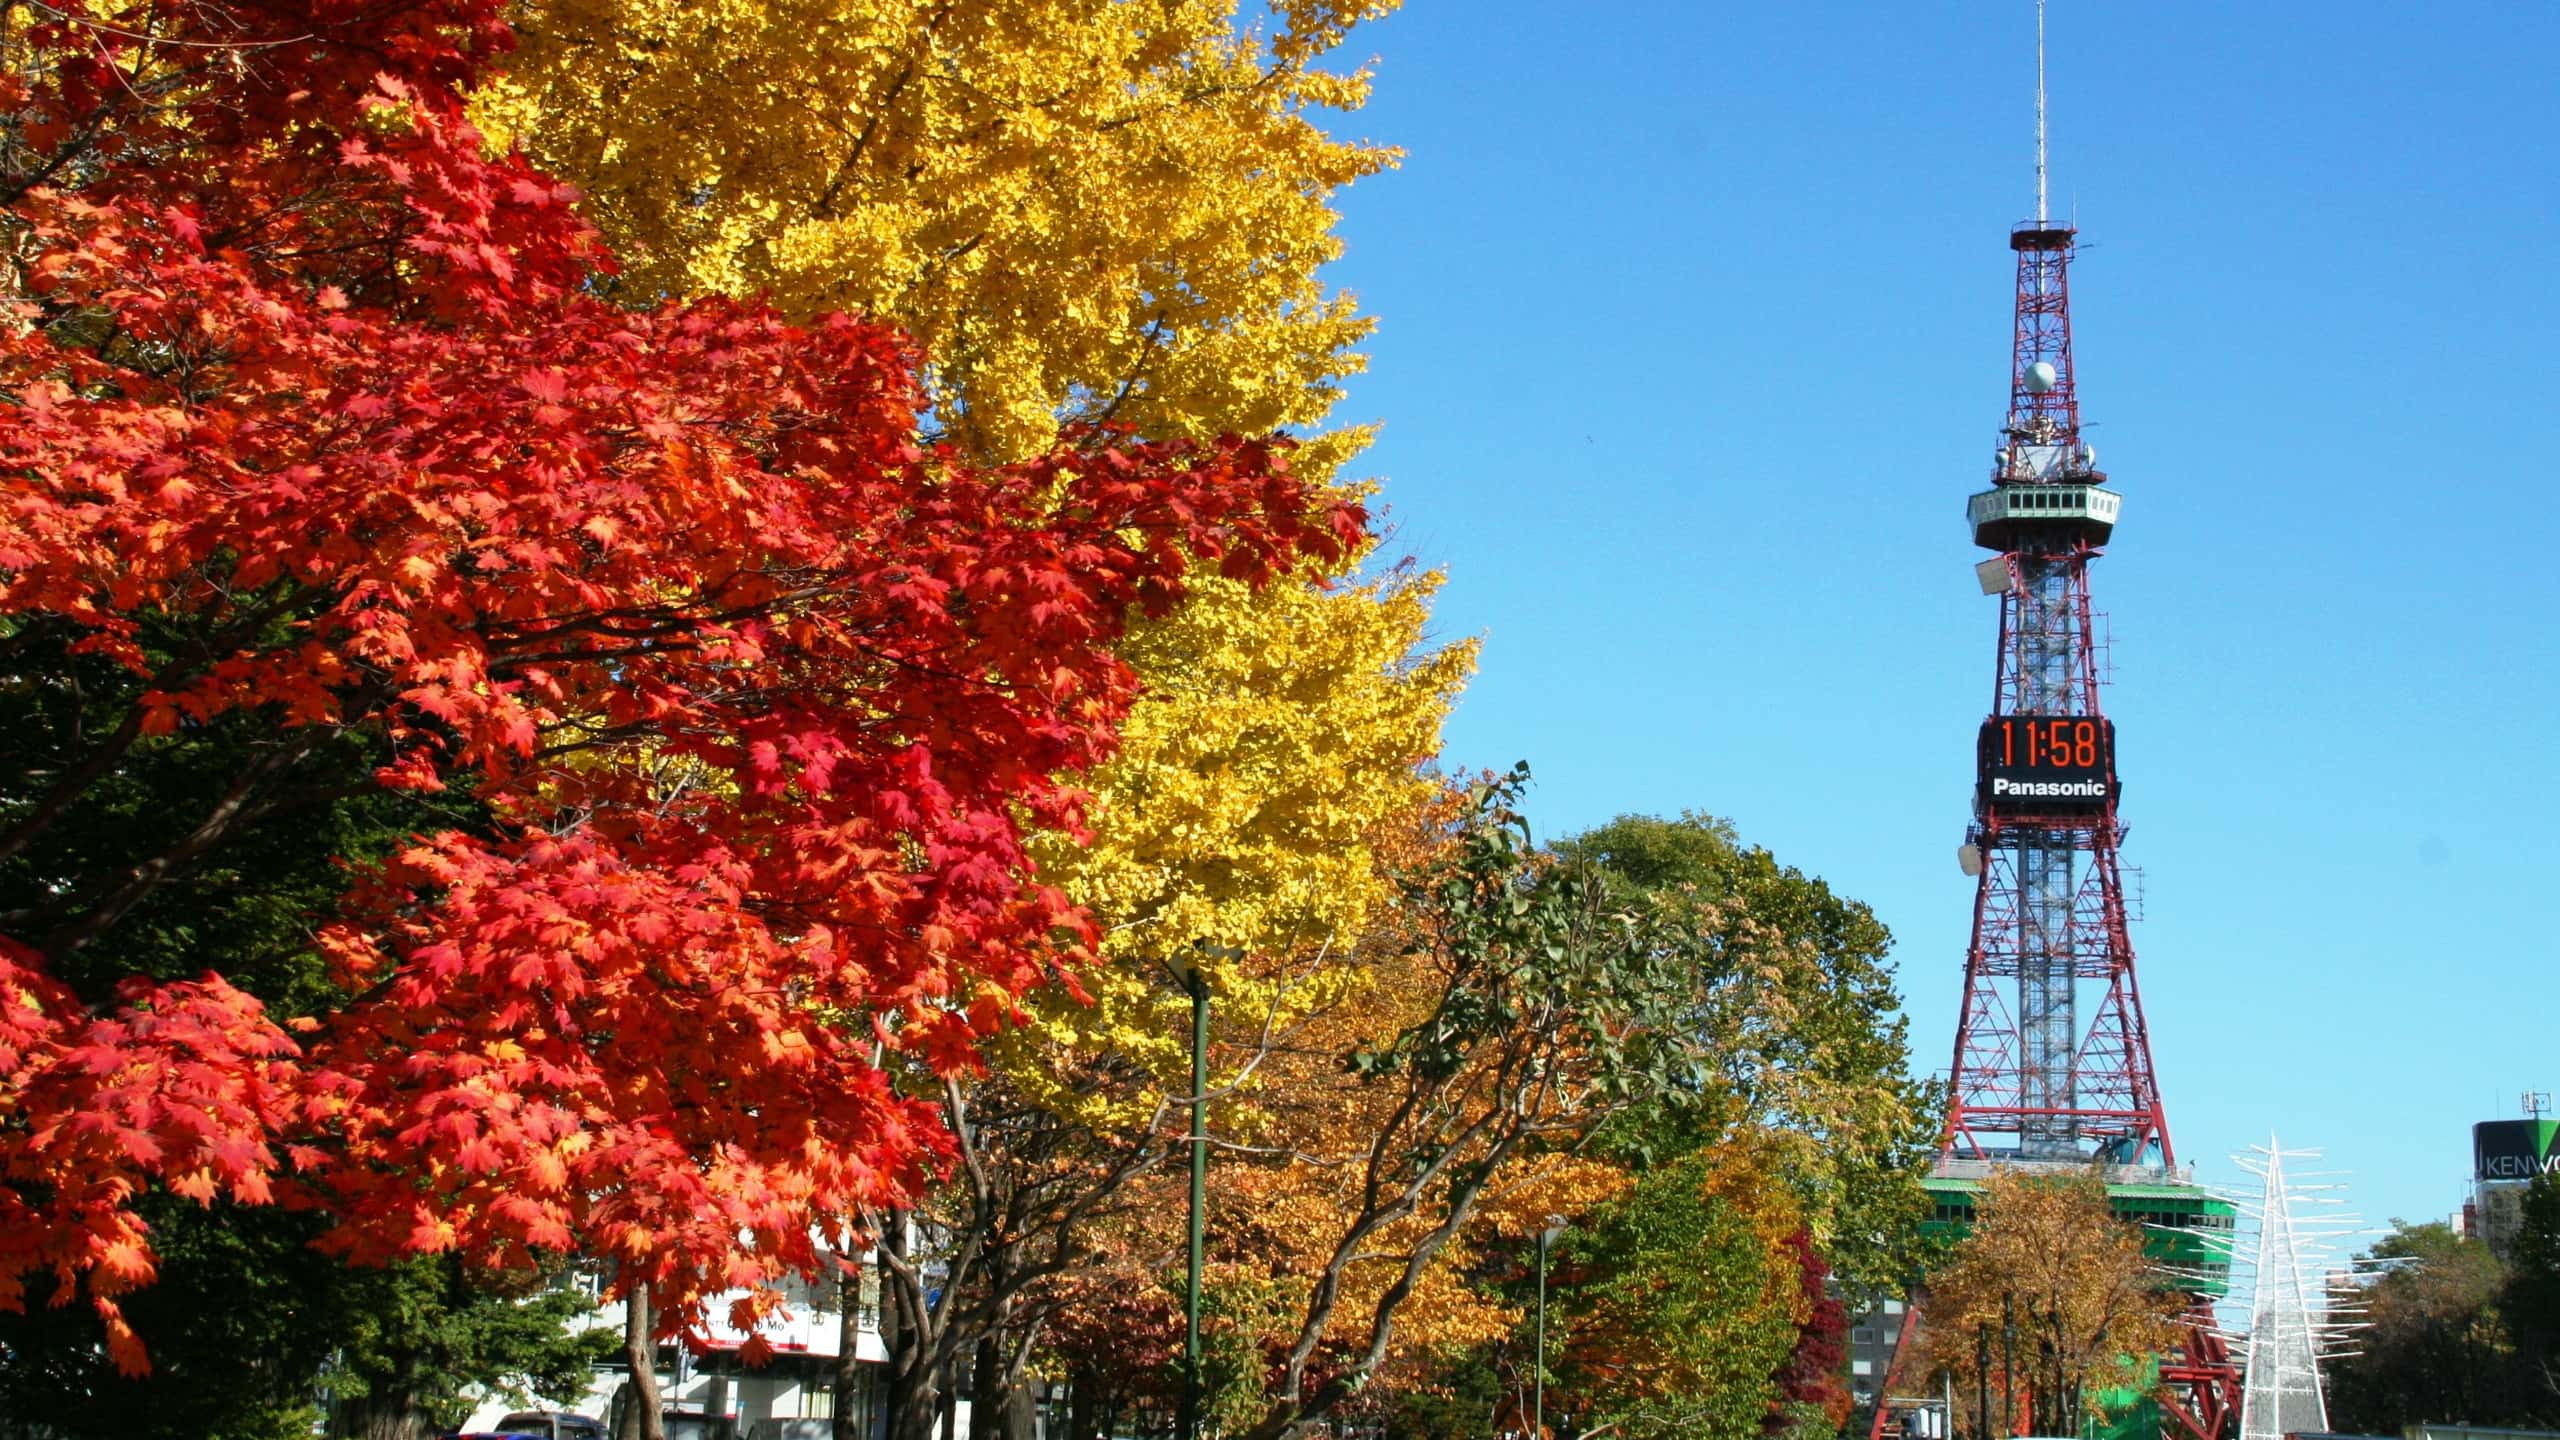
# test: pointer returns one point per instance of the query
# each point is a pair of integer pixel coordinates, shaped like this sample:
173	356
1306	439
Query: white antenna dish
1969	858
2041	377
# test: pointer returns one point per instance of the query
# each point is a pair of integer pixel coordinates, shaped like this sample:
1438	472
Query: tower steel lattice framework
2052	1065
2049	907
2037	1079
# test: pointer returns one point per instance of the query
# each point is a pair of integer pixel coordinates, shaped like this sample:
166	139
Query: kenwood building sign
2515	1149
2507	1156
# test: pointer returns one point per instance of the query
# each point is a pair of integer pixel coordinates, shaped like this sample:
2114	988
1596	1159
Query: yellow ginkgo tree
1098	209
1234	829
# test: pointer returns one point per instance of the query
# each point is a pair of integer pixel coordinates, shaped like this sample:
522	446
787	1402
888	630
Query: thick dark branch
116	895
74	783
1382	1318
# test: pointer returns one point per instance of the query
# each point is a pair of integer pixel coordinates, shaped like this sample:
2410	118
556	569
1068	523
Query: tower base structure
2187	1234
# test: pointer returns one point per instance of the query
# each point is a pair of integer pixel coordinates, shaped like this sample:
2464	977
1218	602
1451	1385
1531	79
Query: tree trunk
848	1372
913	1402
645	1417
999	1402
948	1382
1081	1385
915	1398
385	1417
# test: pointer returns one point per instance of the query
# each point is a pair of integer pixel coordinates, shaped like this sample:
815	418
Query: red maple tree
1812	1373
759	695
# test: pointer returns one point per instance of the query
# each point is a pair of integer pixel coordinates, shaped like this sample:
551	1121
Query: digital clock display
2046	764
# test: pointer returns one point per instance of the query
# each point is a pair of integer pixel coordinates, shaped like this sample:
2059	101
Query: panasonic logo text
2052	789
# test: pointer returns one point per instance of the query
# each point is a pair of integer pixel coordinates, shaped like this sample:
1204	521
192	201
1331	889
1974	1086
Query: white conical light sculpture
2295	1322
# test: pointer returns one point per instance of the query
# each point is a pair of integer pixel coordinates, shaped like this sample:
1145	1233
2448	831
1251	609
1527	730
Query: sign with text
2515	1149
2045	764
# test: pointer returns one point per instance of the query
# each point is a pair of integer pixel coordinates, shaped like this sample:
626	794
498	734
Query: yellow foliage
1281	731
1088	208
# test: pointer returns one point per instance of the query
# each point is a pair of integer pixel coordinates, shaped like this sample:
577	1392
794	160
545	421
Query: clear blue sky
1693	328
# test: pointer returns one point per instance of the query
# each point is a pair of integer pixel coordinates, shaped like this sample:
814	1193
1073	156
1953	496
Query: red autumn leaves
759	695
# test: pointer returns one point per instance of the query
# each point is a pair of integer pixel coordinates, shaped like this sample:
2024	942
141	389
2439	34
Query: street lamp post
1195	982
1982	1380
1546	1242
2008	1363
1199	988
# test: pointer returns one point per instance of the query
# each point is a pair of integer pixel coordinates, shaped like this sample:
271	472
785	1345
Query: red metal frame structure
2032	1085
2203	1380
2049	912
2049	906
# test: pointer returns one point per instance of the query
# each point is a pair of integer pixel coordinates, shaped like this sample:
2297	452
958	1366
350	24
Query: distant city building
805	1333
2506	1157
1871	1341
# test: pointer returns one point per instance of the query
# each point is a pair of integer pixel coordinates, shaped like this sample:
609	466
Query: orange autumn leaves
308	381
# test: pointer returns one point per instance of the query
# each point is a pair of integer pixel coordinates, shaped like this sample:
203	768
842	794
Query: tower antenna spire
2041	216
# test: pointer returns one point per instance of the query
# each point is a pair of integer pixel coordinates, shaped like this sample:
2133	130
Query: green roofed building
2186	1228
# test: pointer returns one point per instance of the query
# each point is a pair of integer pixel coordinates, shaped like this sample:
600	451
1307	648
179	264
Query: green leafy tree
2438	1346
1528	1006
424	1338
2532	1299
240	1322
1832	1084
1675	1305
253	1331
1467	1393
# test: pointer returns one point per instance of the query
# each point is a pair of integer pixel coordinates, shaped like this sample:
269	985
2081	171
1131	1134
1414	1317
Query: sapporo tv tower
2052	1054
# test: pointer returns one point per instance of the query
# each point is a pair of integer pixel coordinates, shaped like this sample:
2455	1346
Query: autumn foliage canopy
318	431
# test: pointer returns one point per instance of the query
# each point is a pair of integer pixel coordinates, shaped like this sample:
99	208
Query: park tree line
662	642
2453	1331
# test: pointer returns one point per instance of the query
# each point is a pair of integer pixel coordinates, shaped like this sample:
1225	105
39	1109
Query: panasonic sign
2002	786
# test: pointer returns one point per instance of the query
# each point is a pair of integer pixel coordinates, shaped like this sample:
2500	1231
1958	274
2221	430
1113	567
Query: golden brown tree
2054	1290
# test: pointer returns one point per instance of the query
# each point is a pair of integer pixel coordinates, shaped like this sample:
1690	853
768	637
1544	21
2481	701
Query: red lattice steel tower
2052	1064
2039	1082
2032	1080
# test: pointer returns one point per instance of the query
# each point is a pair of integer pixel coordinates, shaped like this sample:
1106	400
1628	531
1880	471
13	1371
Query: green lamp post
1195	983
1546	1243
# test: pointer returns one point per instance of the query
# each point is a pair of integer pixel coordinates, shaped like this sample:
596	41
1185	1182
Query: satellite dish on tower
1969	858
2041	377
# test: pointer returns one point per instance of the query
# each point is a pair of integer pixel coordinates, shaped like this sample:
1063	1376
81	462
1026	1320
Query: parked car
799	1429
694	1425
553	1425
